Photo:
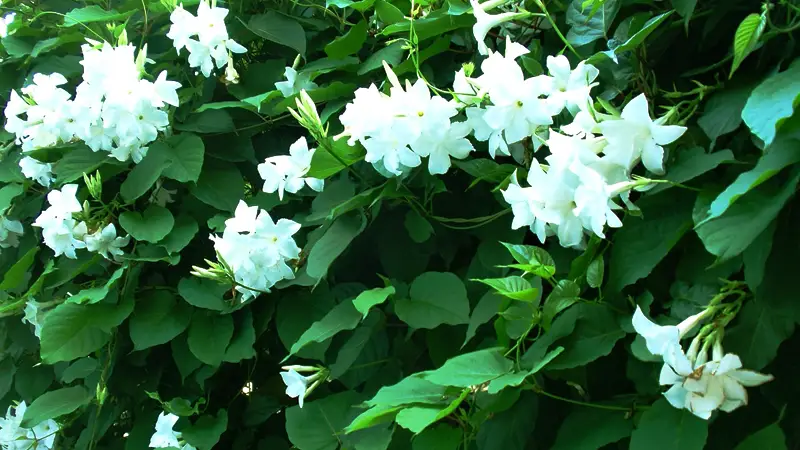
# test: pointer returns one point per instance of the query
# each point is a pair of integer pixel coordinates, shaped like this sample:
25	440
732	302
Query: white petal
666	134
636	110
676	396
750	378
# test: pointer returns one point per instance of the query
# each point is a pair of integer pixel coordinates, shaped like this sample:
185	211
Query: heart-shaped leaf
151	226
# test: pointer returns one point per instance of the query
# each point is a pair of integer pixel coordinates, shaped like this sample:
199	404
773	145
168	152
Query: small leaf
55	404
370	298
532	259
349	43
209	336
280	29
746	38
513	287
436	298
343	316
472	368
594	274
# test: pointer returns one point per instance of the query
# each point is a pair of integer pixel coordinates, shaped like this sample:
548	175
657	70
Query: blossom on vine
570	87
286	173
5	21
14	436
636	136
485	22
257	249
661	338
205	36
442	144
296	385
164	435
60	231
35	170
10	231
33	316
295	82
105	242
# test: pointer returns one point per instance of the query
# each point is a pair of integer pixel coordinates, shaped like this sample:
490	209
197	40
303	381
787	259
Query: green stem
541	6
538	390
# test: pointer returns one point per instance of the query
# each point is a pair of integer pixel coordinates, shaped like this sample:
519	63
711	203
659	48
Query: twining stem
634	407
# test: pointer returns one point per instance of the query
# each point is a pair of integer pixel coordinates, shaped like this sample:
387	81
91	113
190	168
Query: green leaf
15	275
412	389
746	38
590	429
419	229
513	287
392	54
343	316
333	243
370	298
436	298
417	418
388	13
532	259
587	27
362	5
663	427
638	38
767	438
79	370
209	336
72	331
55	404
595	334
144	175
510	429
691	163
516	378
772	102
488	306
317	425
220	186
433	25
781	154
472	368
81	160
96	294
355	345
151	226
184	153
280	29
183	357
731	233
92	14
324	164
760	331
157	319
349	43
182	233
565	294
203	293
643	242
241	346
440	437
8	193
205	433
594	274
209	121
722	113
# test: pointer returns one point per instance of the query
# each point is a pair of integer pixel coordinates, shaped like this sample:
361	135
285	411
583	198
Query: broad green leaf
594	274
220	186
317	425
94	13
755	258
485	170
79	369
183	357
510	429
97	294
436	298
731	233
722	113
157	319
370	298
79	161
209	121
433	25
759	332
392	54
595	334
333	243
342	317
355	345
586	27
590	429
325	164
296	313
513	287
182	233
206	431
8	193
419	229
488	306
203	293
15	275
417	418
516	378
55	404
388	13
145	174
412	389
362	5
32	381
241	346
767	438
440	437
532	259
772	102
209	336
472	368
746	38
349	43
781	154
639	37
663	427
280	29
643	242
692	163
151	226
565	294
184	153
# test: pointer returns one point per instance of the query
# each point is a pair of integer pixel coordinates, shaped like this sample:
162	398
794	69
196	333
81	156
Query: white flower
64	202
484	132
40	172
105	242
442	144
296	385
465	92
10	231
287	172
295	82
660	338
485	22
728	371
64	236
210	24
32	316
636	136
583	126
5	22
13	436
165	436
570	87
184	26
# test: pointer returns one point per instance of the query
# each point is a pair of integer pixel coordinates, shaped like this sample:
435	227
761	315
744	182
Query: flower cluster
114	109
64	234
287	172
257	249
696	383
14	436
165	436
400	128
211	45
